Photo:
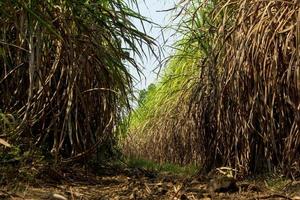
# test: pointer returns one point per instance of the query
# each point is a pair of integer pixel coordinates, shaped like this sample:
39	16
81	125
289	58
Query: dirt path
136	185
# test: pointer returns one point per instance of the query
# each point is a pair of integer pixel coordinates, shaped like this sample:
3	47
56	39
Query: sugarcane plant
242	108
64	72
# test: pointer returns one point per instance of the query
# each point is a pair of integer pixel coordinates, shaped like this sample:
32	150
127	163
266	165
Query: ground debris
223	184
56	197
127	185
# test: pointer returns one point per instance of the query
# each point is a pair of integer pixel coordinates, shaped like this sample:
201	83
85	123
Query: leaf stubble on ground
134	185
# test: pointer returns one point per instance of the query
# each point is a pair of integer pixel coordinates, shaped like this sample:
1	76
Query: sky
152	9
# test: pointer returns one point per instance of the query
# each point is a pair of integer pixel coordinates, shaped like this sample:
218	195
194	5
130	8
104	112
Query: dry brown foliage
63	74
245	105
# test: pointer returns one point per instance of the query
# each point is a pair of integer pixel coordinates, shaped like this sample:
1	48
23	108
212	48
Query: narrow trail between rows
141	184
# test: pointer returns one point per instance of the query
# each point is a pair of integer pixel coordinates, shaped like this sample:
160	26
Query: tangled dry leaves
136	184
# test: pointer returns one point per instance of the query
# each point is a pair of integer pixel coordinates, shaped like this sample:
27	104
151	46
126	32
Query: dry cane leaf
177	188
3	142
57	197
148	189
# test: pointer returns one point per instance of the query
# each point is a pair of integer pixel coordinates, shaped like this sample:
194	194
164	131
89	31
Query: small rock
223	184
296	198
